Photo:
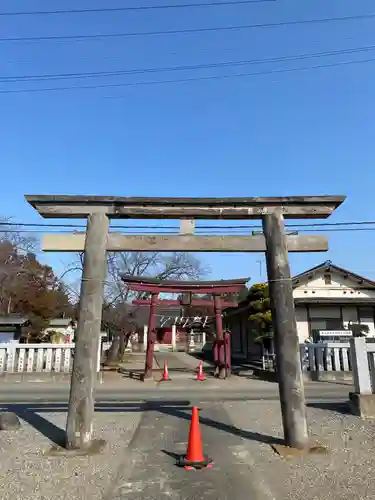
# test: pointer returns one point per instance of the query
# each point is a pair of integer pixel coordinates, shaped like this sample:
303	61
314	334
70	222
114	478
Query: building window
327	279
365	314
334	324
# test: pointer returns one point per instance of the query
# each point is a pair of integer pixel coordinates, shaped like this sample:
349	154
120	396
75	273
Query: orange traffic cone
194	458
200	375
165	373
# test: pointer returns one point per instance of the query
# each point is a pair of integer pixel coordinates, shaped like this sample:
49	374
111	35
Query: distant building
63	326
11	327
327	298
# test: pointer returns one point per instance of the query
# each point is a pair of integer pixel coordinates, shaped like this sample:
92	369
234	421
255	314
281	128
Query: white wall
339	287
349	315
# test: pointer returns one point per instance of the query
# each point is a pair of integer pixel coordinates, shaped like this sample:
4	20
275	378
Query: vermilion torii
155	287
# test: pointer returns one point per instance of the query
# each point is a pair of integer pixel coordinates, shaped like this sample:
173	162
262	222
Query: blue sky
306	132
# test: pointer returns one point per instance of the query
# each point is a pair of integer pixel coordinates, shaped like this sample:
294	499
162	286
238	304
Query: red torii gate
155	286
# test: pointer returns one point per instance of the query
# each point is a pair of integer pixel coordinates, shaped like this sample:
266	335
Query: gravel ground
27	474
346	472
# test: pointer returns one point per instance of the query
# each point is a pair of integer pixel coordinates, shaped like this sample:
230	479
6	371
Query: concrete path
179	363
150	470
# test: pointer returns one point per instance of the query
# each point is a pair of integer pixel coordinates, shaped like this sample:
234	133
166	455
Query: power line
63	76
202	232
186	31
173	52
156	226
130	9
330	226
187	80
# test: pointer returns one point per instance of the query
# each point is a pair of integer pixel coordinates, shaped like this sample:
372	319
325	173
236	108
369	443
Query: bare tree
12	233
117	312
13	245
159	265
176	266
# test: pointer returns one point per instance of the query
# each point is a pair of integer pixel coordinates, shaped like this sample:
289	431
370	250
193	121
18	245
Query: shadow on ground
32	414
342	408
240	368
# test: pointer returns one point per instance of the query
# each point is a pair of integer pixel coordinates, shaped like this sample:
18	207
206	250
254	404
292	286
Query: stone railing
326	357
37	358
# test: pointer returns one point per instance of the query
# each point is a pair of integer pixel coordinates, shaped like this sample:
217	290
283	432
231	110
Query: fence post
145	331
174	338
11	357
99	356
302	353
360	366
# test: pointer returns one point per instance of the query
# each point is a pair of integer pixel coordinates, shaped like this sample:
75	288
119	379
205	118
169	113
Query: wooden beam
209	213
182	243
294	207
194	302
144	287
185	285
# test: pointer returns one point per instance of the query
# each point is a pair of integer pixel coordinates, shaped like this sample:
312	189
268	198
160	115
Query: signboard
183	321
335	333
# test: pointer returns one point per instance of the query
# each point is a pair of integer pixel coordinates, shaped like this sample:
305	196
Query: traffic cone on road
194	458
165	373
200	375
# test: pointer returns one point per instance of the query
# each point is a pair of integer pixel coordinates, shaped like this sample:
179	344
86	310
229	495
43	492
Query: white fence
38	358
326	357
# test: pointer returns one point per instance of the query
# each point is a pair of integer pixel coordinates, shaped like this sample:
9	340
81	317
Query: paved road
268	392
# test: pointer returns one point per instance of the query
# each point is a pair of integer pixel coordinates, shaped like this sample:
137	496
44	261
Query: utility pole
288	361
81	401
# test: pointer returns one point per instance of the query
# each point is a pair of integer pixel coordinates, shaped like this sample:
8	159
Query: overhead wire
134	8
185	80
223	64
310	227
187	30
205	232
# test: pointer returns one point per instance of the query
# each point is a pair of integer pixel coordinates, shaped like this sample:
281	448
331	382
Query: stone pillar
289	371
81	401
360	366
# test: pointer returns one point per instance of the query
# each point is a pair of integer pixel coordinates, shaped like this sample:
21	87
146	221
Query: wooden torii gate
154	287
97	241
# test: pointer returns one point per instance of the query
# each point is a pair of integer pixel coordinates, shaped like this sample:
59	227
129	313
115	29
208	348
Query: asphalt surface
320	391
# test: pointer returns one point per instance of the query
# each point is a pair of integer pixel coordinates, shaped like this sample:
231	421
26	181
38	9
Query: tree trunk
117	350
122	346
113	351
